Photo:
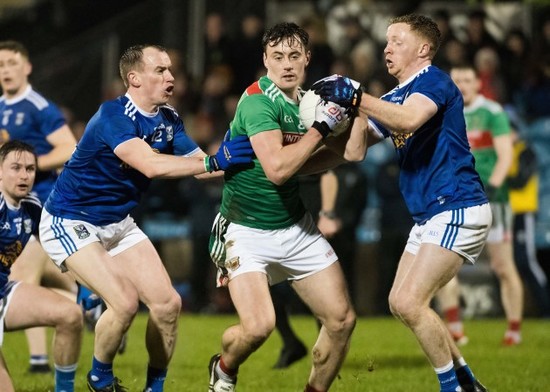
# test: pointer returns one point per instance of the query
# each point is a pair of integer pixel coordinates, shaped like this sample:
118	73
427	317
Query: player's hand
327	116
340	89
231	152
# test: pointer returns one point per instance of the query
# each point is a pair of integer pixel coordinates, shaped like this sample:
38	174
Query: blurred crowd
515	71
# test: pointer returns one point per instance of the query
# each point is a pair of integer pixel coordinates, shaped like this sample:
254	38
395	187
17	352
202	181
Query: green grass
383	357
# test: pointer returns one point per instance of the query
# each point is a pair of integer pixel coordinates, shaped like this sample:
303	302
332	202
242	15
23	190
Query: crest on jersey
233	263
81	232
27	225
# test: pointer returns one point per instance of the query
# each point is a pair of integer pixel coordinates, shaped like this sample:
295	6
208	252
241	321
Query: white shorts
285	254
5	304
61	237
501	229
463	231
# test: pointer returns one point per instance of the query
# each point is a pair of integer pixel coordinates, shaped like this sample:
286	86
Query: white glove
328	115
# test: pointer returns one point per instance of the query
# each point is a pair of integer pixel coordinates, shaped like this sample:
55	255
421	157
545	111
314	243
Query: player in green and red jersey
263	234
490	138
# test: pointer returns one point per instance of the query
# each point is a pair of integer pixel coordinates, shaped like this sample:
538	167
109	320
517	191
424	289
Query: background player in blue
24	305
86	227
424	117
28	116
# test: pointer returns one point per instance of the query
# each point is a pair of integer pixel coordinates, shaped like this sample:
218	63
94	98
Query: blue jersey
437	167
31	118
17	225
95	185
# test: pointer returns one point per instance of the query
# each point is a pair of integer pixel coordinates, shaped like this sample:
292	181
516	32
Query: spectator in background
443	21
453	53
246	56
320	50
517	61
217	43
523	183
487	64
477	35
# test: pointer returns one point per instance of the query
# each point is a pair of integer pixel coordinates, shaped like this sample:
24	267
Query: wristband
206	162
322	128
328	214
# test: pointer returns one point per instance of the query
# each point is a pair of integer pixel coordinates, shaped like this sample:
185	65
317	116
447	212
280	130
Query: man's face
467	82
286	63
14	71
155	77
402	50
17	174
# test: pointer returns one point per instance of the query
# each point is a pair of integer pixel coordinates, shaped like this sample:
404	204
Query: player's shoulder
263	90
169	111
490	105
38	100
32	203
119	106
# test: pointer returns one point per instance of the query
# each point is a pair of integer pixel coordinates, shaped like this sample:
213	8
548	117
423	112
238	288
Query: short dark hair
132	58
285	31
15	145
15	46
424	26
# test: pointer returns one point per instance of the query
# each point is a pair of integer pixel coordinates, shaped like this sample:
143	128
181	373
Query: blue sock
447	378
64	378
155	379
101	374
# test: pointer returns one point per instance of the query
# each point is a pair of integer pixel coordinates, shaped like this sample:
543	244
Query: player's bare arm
504	148
63	142
139	155
415	111
282	162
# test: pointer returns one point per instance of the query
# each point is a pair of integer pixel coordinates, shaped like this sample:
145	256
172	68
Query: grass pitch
384	357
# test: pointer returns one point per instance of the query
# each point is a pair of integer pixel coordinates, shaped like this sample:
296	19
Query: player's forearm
56	158
286	162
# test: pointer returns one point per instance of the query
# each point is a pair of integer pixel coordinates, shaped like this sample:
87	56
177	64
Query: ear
265	59
308	57
424	50
134	79
27	68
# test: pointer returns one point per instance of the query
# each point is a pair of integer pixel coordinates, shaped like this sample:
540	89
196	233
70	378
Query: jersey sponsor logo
81	232
433	233
399	139
291	138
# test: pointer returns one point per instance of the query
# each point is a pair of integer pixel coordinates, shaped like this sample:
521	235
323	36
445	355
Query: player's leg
326	294
417	280
5	380
93	267
511	288
252	300
144	268
293	349
448	300
32	305
29	268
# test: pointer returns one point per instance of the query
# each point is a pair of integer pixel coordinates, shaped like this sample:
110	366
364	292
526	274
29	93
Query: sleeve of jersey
50	119
435	88
257	113
114	127
500	125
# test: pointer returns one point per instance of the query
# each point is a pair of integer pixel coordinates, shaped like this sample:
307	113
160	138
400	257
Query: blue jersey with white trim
98	187
17	225
32	118
437	167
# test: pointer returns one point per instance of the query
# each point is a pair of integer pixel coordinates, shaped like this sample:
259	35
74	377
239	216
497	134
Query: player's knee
72	319
341	324
258	331
168	309
402	306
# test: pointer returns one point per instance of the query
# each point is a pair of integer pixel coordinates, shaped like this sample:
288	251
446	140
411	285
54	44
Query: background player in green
263	234
490	138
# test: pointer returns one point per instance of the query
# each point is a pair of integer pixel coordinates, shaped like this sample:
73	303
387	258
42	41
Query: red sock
226	370
452	314
514	326
309	388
